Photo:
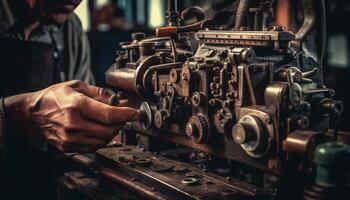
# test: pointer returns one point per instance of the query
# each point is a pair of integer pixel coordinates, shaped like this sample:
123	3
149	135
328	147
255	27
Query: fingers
79	143
75	124
106	114
77	117
92	129
97	93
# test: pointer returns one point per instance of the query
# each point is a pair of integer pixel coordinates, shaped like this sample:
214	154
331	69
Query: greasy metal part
173	13
308	24
331	106
250	86
241	14
301	144
245	95
173	30
162	167
276	39
193	12
248	133
198	129
262	16
163	176
146	113
124	78
143	161
80	185
190	181
141	189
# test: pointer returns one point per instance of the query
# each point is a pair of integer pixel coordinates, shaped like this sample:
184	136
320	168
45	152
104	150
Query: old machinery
250	95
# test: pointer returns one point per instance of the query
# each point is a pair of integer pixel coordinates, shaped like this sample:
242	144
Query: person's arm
73	116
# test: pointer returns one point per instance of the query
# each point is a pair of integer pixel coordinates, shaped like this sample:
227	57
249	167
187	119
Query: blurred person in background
109	25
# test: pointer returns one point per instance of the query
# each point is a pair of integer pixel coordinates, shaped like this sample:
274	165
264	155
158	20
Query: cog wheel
198	129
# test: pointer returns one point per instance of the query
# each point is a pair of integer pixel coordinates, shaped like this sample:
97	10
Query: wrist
16	107
18	120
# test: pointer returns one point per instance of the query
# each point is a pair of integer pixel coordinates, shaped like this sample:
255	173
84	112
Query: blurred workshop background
109	22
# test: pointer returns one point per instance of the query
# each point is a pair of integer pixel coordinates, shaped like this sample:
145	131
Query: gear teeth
202	126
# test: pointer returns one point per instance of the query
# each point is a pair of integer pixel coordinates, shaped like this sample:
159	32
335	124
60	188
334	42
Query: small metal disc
190	181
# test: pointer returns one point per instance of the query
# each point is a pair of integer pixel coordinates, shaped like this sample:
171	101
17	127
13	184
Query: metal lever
169	31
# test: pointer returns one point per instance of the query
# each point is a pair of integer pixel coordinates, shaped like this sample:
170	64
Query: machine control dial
251	134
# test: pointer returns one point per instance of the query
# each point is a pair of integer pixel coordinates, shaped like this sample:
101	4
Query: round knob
197	99
161	118
248	55
198	129
242	133
146	115
250	133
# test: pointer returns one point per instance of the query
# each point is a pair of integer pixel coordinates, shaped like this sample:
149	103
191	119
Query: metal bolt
173	75
196	99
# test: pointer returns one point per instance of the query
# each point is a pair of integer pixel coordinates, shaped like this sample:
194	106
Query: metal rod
241	14
308	24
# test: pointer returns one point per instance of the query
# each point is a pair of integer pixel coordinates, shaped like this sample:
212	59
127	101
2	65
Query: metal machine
248	104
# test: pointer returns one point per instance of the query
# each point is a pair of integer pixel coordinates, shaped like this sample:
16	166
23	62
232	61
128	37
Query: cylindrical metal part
166	31
173	14
301	144
122	79
147	48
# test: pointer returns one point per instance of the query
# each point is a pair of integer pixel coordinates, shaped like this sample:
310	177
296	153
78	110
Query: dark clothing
54	53
70	46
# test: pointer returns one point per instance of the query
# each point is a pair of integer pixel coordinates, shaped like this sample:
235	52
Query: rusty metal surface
83	185
175	179
250	95
117	178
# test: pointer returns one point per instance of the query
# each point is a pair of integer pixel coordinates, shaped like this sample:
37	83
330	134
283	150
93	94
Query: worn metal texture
175	180
251	95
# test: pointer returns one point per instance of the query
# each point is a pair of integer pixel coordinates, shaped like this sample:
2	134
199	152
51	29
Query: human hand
73	116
